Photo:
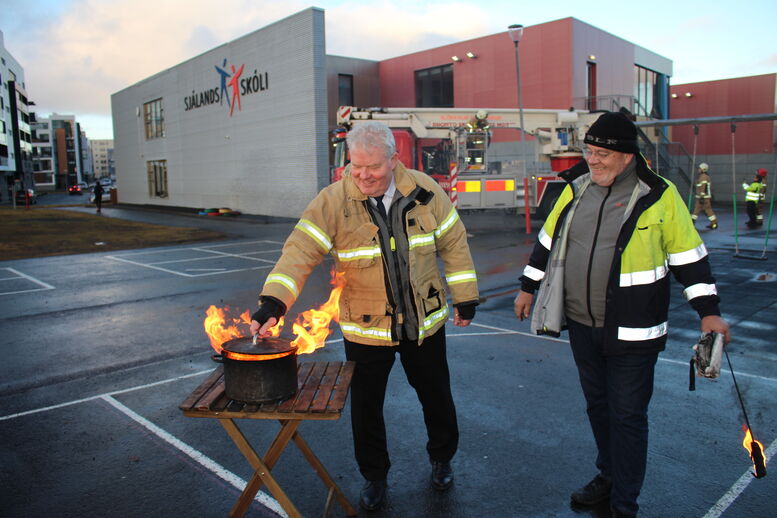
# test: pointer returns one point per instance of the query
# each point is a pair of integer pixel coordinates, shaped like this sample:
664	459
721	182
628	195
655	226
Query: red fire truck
455	146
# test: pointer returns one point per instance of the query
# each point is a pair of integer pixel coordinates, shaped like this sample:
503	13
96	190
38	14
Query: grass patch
47	232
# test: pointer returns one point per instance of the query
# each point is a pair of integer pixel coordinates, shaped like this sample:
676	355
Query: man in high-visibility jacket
385	226
601	263
755	193
704	197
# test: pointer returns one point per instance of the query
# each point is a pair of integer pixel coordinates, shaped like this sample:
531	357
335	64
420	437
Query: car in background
77	188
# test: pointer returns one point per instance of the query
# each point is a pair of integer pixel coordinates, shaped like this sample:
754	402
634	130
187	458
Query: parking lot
101	348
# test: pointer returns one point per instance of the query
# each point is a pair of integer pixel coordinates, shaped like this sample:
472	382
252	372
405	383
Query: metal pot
259	373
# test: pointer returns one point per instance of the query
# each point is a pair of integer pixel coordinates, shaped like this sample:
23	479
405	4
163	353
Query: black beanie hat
613	130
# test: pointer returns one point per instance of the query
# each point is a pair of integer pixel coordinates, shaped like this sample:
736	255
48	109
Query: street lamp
516	33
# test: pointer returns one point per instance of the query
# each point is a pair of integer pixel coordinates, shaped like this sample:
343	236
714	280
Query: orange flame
219	330
755	449
311	327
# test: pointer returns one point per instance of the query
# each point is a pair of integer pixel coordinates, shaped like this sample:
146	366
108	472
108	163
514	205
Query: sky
76	53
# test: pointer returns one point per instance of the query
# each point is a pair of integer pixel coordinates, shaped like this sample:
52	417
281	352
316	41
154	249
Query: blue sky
76	53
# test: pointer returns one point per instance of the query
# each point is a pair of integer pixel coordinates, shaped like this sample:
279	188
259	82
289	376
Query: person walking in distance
755	192
98	195
383	224
601	264
704	197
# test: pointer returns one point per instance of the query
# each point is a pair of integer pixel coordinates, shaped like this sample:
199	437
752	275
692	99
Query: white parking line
196	455
44	286
211	255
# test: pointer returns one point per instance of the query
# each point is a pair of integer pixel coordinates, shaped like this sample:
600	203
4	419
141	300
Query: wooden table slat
211	380
323	390
308	392
340	393
321	401
220	404
211	394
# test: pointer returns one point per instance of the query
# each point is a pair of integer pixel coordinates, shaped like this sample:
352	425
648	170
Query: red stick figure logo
234	82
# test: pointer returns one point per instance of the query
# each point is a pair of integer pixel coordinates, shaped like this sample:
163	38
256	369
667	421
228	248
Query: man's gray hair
372	134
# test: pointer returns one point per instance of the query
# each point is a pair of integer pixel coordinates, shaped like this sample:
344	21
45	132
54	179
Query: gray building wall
268	157
366	83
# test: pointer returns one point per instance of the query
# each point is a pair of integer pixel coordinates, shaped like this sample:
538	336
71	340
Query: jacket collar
402	180
644	173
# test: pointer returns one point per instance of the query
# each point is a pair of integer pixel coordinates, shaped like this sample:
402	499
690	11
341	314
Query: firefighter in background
755	193
704	197
479	122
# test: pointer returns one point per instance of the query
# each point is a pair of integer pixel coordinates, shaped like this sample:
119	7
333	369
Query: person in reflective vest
755	192
704	197
385	227
601	264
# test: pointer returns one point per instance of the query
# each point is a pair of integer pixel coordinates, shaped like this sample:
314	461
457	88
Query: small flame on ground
312	326
755	448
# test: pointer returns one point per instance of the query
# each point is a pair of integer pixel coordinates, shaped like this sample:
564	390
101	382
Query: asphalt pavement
100	349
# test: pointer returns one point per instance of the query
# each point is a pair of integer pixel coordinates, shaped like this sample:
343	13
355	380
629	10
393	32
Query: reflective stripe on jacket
656	237
754	191
337	222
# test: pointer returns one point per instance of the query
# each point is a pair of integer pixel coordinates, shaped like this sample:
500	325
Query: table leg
262	471
324	474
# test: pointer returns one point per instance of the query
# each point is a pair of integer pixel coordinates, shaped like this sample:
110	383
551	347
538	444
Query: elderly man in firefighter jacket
601	263
385	225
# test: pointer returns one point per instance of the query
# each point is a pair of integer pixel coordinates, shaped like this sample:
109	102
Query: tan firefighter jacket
703	190
337	222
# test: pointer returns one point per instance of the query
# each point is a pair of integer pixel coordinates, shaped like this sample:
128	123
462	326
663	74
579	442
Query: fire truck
454	146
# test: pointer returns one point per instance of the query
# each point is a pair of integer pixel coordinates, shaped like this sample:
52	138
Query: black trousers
426	368
617	391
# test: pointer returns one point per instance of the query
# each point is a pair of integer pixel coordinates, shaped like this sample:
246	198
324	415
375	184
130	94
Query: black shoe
442	475
597	490
373	494
712	226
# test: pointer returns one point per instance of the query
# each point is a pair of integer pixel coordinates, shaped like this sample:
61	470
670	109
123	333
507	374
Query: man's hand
263	330
523	304
716	324
457	320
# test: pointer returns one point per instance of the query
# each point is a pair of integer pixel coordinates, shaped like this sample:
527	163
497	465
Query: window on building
434	87
157	178
153	117
647	93
345	90
590	86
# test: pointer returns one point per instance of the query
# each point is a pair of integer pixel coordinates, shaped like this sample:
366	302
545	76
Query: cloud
381	30
76	58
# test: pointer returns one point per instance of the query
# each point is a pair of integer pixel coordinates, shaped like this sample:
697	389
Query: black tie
381	207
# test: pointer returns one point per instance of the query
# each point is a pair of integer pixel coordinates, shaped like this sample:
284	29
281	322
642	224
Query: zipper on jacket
591	257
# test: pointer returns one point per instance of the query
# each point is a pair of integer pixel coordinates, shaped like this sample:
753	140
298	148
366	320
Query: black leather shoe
373	494
597	490
442	475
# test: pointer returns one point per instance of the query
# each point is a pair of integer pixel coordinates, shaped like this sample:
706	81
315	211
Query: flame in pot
311	327
221	327
755	449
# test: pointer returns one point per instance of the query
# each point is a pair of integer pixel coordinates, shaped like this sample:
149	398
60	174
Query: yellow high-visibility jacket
337	222
656	238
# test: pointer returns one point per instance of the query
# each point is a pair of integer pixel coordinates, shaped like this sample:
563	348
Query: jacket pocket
421	238
364	311
433	297
359	248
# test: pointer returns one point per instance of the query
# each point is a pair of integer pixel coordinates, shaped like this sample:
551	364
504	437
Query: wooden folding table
322	390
